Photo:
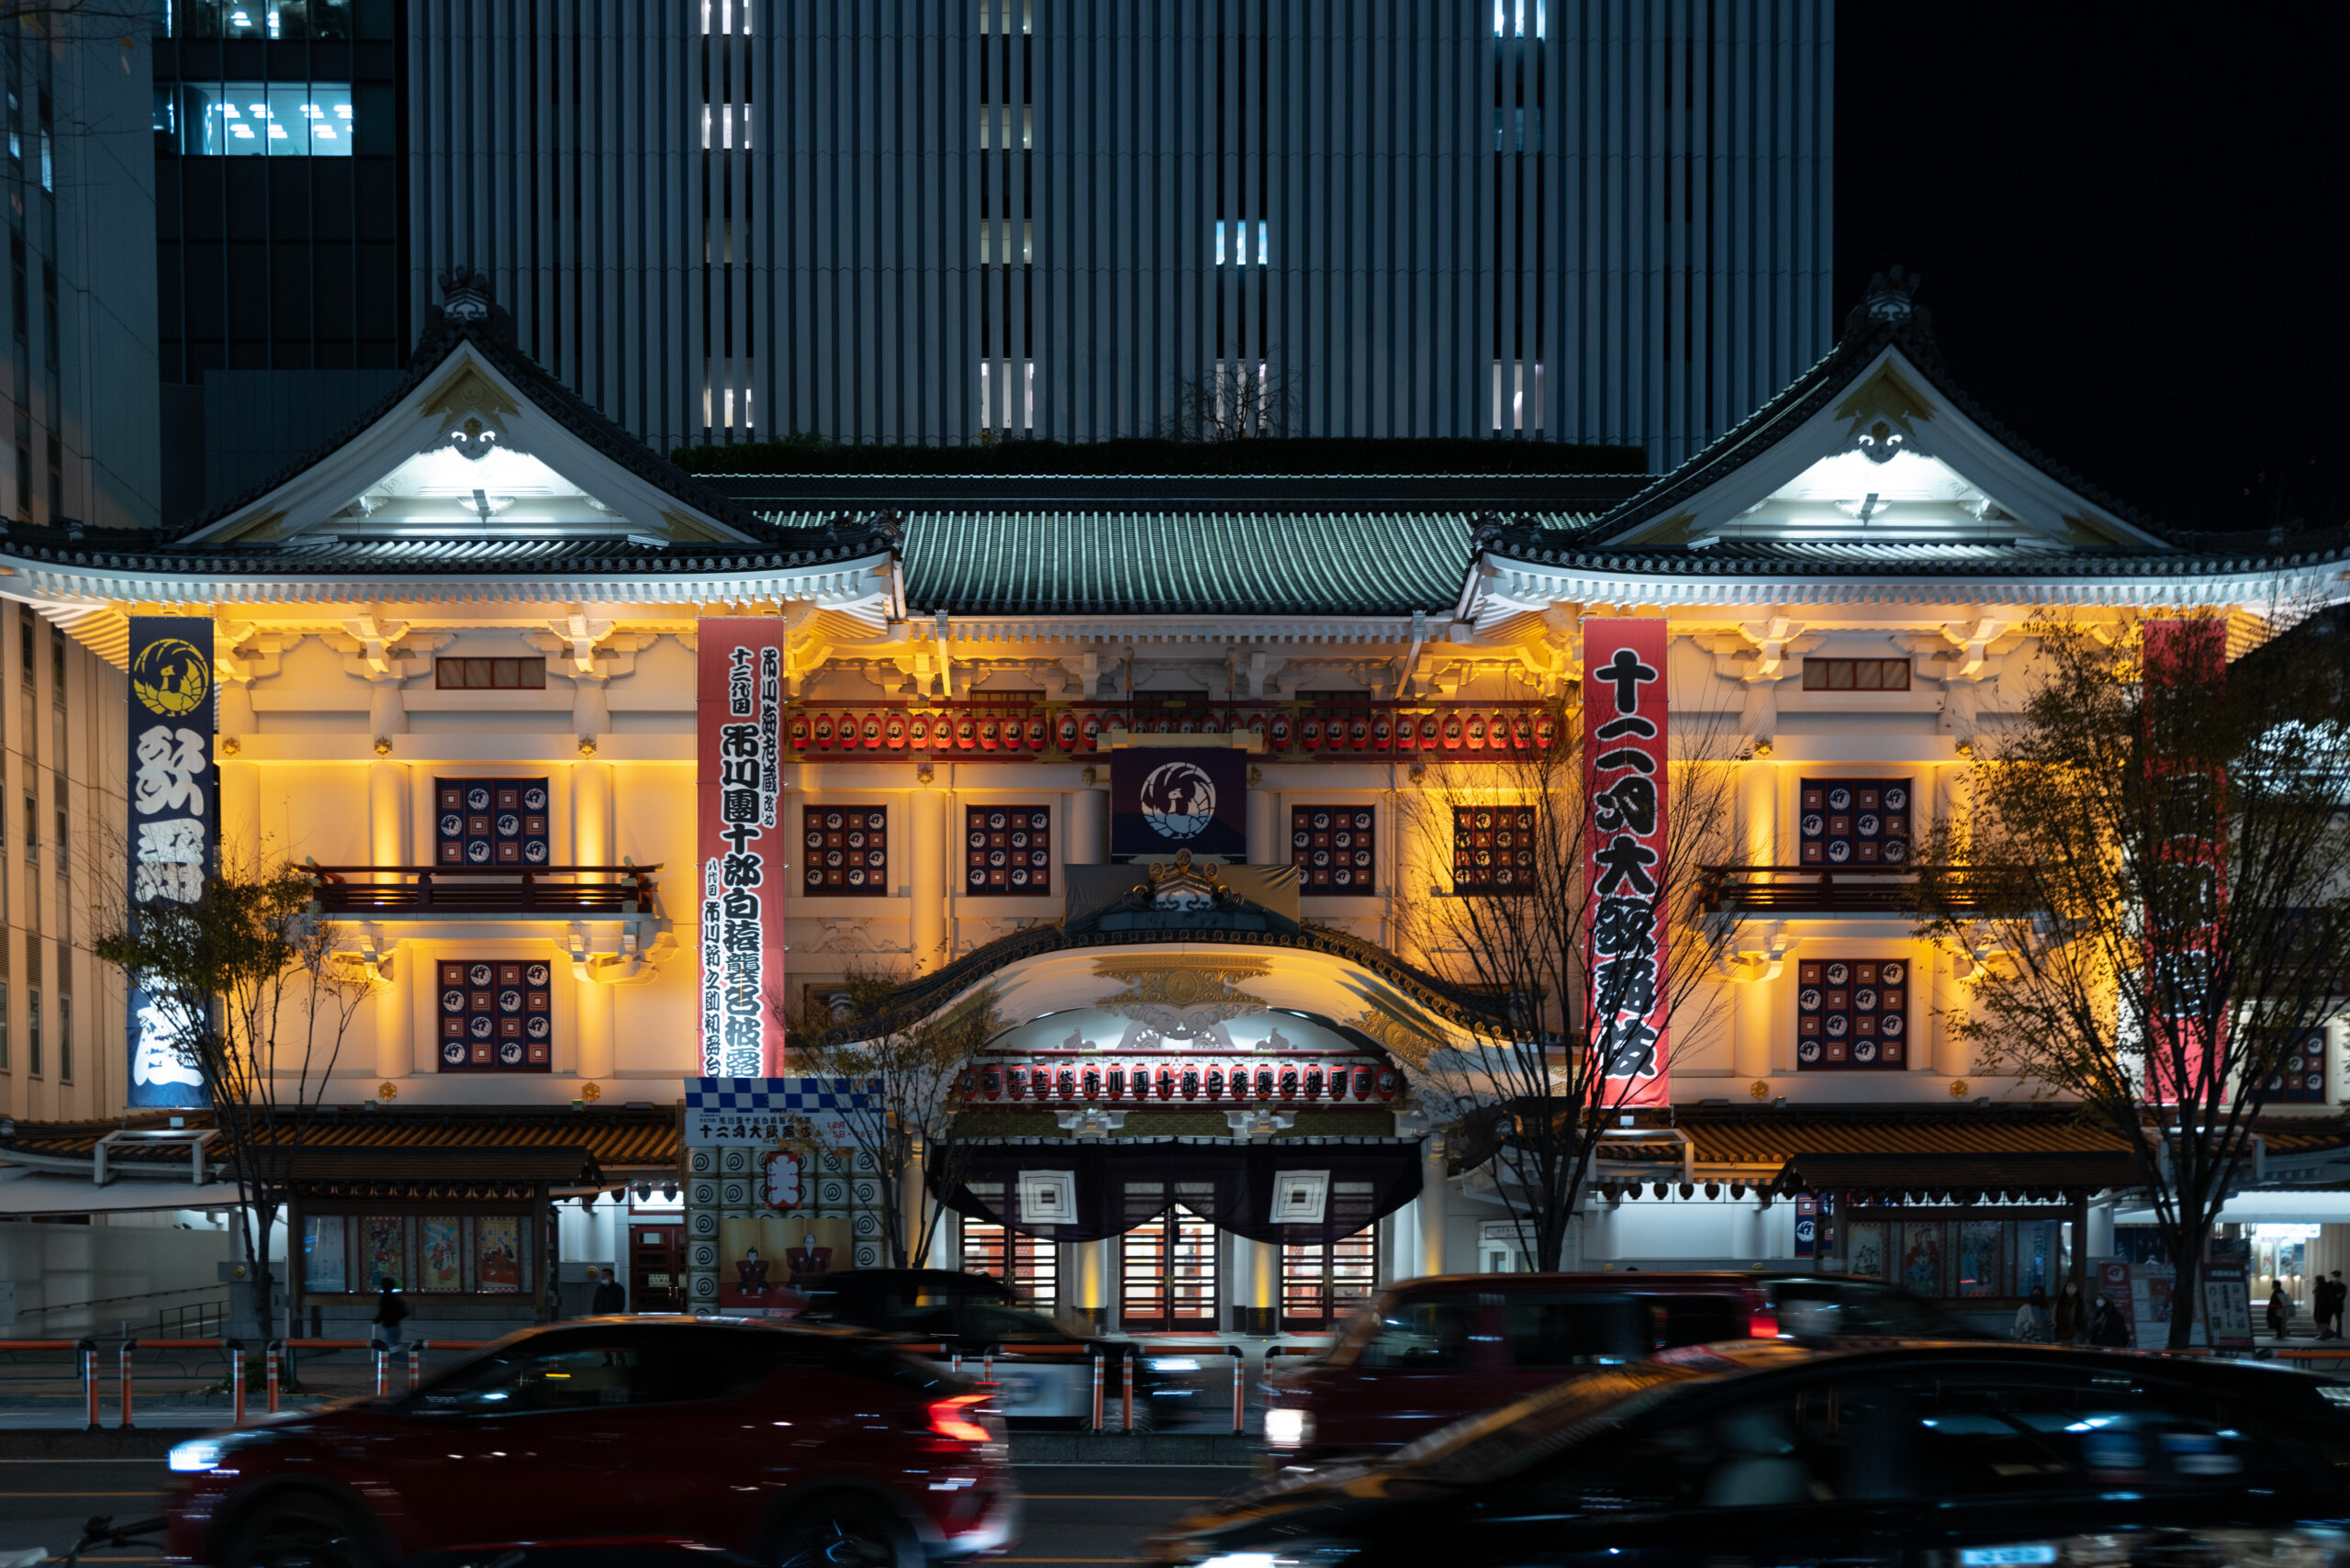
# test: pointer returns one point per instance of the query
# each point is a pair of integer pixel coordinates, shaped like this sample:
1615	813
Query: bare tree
911	1066
250	986
1554	1066
1234	400
2151	888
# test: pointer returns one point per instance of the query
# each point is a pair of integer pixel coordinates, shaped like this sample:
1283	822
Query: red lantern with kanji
1546	729
893	734
1430	732
1277	736
1065	731
967	732
987	735
1089	732
1383	733
1476	731
825	731
1359	731
1016	733
799	728
1037	728
1452	735
872	732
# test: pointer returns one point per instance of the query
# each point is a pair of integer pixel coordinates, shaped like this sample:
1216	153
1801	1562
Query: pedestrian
2320	1305
2106	1327
2031	1319
611	1296
390	1313
2069	1317
2341	1293
2280	1310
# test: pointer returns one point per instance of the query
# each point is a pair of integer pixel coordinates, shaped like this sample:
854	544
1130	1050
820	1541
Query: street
1078	1514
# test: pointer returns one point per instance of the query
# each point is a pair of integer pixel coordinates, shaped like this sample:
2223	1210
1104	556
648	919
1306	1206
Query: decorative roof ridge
1680	560
1886	316
469	318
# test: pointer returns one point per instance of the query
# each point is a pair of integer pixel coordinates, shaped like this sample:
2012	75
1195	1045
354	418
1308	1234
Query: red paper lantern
1037	728
825	731
799	728
893	734
1065	728
1278	734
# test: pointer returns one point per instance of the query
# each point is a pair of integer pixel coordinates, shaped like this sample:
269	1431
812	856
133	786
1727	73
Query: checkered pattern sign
845	850
1854	823
1007	850
1331	847
1852	1013
497	1015
490	822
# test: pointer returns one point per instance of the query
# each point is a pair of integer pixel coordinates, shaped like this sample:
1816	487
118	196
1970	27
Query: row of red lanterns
1289	1083
1471	730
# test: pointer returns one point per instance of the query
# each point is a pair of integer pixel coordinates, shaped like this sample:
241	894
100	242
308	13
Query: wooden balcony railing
1848	890
554	890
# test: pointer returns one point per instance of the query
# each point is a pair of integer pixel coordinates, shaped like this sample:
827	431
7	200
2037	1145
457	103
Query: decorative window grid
2299	1077
1852	1014
497	1015
1008	851
1493	849
490	823
1854	823
1856	675
845	851
1333	848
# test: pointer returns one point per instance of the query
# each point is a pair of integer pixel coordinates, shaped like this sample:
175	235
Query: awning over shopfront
408	1174
1294	1192
1973	1177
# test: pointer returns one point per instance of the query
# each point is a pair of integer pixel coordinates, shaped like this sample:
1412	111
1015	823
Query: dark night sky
2122	218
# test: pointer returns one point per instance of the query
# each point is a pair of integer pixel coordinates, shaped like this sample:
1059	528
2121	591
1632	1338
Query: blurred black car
1769	1453
1045	1375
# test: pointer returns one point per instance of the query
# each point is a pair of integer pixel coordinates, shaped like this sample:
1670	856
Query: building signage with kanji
745	844
174	800
1625	864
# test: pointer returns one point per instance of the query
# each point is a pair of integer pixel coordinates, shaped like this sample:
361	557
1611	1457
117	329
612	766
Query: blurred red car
789	1444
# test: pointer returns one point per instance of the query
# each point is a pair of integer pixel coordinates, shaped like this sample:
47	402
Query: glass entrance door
1167	1270
1321	1284
1028	1264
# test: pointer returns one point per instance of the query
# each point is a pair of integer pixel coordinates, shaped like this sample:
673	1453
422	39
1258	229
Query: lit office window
255	18
1238	253
256	119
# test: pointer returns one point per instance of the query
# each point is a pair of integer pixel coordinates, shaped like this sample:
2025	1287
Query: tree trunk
2187	1294
248	1317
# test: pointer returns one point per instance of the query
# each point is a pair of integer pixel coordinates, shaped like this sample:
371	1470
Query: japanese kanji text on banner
174	820
745	850
1625	764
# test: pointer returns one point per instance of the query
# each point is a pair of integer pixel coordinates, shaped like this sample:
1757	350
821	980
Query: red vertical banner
2184	653
745	844
1624	740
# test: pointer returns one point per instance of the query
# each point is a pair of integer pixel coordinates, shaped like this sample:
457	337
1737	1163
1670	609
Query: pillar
1758	808
1088	826
1754	1054
386	713
241	845
387	815
591	814
396	1018
1255	1286
1954	1056
927	836
590	710
910	1204
1434	1185
592	1004
1092	1297
1266	846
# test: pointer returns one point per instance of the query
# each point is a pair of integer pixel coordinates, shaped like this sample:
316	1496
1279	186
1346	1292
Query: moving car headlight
1284	1429
198	1454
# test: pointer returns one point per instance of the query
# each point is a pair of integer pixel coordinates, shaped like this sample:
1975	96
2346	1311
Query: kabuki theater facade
604	771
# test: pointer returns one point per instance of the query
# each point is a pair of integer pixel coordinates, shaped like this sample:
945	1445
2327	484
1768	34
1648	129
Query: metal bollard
383	1372
1127	1398
955	1363
986	1366
415	1364
89	1349
1097	1391
236	1382
1239	1390
270	1359
127	1345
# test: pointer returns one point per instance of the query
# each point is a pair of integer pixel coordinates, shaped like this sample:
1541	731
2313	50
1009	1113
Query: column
241	845
1088	826
592	1001
1754	1054
1090	1298
1257	1280
1954	1056
1265	845
591	814
927	836
395	1017
1758	807
388	816
387	713
1434	1185
911	1202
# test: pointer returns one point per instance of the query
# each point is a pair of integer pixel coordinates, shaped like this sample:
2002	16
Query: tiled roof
1760	1137
1151	563
618	1140
100	551
1961	1175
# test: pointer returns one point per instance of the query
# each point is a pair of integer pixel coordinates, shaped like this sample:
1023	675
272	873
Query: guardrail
502	890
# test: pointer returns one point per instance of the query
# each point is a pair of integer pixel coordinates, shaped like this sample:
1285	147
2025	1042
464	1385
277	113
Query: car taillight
951	1418
1764	1324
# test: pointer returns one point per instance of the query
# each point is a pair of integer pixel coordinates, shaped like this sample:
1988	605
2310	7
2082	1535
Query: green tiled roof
1197	562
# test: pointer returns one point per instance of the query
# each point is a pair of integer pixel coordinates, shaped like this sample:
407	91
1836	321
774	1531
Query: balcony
443	892
1780	891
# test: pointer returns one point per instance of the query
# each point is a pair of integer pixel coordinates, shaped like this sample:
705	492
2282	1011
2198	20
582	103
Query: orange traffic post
236	1382
127	1345
383	1372
987	1367
415	1364
1239	1388
1126	1395
1097	1391
270	1358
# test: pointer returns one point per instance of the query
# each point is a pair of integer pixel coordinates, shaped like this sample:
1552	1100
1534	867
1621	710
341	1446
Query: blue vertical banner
175	796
